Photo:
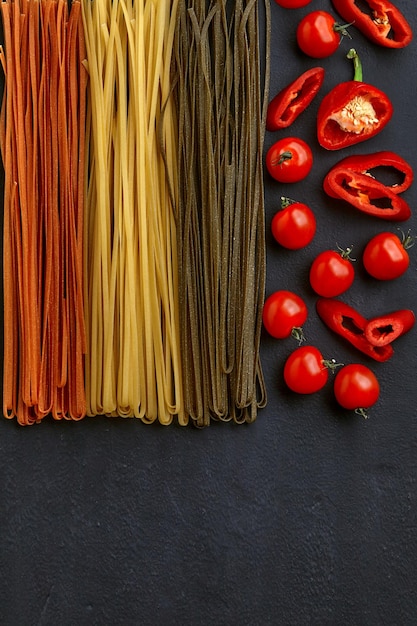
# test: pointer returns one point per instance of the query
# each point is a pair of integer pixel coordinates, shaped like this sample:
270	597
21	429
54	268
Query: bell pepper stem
357	64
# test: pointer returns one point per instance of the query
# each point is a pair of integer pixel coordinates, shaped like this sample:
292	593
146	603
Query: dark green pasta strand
245	393
220	212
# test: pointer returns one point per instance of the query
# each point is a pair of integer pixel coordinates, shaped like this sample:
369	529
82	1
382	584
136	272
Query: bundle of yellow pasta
133	365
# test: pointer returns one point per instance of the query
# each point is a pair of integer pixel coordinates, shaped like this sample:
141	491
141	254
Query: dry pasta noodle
134	252
42	146
133	364
221	104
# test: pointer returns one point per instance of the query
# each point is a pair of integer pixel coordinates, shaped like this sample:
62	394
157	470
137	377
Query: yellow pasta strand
133	365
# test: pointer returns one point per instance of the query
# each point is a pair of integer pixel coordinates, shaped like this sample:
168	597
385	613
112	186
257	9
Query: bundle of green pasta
133	365
221	102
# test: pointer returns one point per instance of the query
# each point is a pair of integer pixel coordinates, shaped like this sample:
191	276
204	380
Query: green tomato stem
345	253
408	240
331	364
342	29
286	202
297	333
284	156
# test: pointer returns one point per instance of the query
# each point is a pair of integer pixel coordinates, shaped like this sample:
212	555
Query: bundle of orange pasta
42	144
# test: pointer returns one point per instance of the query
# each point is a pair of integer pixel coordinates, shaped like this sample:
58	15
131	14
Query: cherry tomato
332	273
294	226
318	34
289	160
305	370
292	4
283	314
385	256
356	387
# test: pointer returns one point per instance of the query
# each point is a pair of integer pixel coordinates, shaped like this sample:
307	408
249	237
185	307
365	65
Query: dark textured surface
307	516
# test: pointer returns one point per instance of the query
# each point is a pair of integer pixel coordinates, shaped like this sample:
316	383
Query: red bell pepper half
382	330
369	163
294	99
379	20
366	194
349	324
352	112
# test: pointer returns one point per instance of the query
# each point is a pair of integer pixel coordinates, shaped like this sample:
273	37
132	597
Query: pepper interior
372	115
350	325
367	196
388	175
378	16
297	96
382	331
364	7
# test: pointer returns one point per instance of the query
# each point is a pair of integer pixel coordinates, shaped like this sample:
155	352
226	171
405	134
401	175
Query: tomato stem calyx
331	364
342	29
284	156
357	65
362	412
285	202
407	240
346	252
298	334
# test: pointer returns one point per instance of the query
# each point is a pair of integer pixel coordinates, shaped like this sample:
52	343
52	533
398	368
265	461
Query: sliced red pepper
382	330
294	99
368	163
379	20
366	194
349	324
352	112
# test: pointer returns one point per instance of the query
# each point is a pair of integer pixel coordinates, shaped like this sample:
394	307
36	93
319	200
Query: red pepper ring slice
382	330
368	163
366	194
350	113
291	101
349	324
383	23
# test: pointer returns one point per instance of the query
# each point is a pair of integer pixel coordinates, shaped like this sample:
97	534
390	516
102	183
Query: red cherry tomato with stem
332	273
289	160
306	371
284	313
356	388
386	255
294	226
292	4
319	35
